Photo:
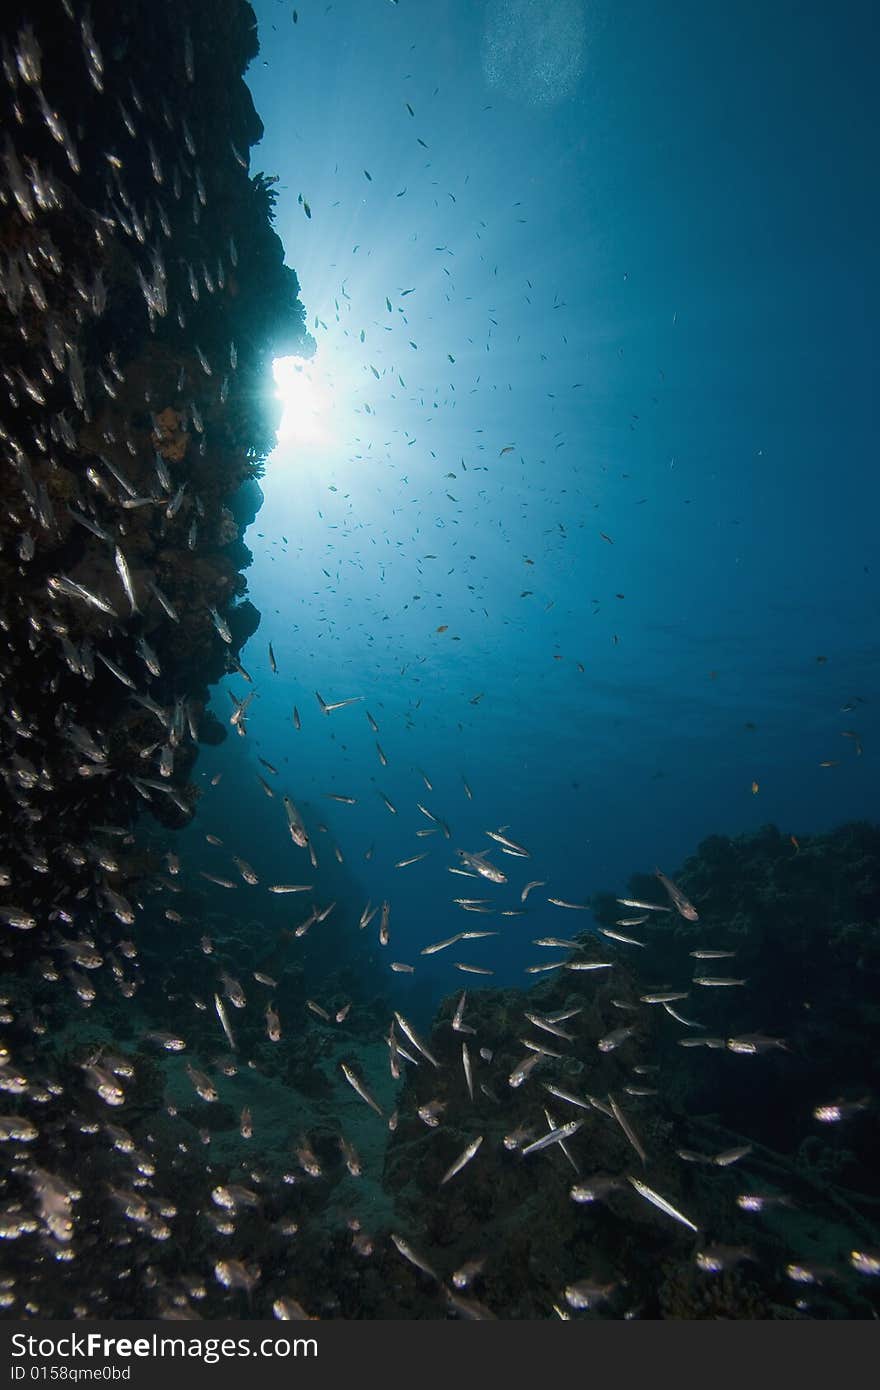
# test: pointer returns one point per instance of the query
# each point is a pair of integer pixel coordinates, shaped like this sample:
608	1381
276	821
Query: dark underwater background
525	408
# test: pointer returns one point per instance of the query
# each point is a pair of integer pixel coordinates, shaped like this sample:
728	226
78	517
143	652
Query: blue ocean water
585	517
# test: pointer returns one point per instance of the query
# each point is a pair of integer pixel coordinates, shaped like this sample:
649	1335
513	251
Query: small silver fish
661	1203
628	1130
414	1259
361	1090
480	864
614	1039
535	883
220	625
337	704
467	1273
224	1021
441	945
523	1070
463	1159
125	575
510	846
202	1084
163	602
558	1092
60	584
678	899
586	1294
466	1064
295	824
408	1030
729	1156
647	907
619	936
722	982
457	1025
556	1136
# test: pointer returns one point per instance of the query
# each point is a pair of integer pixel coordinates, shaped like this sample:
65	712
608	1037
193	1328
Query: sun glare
306	398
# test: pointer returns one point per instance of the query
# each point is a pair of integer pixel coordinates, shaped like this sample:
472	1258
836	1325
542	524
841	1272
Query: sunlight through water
307	400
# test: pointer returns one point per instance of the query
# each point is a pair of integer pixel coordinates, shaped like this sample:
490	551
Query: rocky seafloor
773	1206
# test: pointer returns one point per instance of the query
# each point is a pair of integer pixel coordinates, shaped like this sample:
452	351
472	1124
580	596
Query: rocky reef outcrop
732	1099
143	295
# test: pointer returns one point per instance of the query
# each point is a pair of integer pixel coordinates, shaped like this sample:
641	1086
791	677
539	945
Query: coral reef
802	919
802	915
143	295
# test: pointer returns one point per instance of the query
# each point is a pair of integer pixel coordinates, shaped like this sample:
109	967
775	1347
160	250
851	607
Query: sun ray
307	400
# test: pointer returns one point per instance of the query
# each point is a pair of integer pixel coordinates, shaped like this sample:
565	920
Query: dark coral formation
142	297
802	919
326	1239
